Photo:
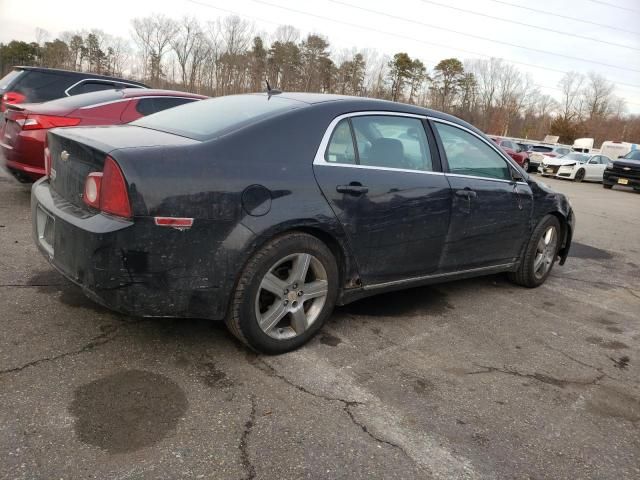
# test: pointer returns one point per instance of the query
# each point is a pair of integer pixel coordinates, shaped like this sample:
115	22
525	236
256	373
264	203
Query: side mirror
516	176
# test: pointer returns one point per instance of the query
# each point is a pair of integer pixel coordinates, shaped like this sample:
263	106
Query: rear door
491	212
381	174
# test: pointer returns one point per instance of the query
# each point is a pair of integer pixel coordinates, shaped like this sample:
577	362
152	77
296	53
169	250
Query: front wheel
540	254
285	293
579	175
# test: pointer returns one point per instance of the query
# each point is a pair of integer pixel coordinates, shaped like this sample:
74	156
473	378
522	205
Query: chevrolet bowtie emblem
64	156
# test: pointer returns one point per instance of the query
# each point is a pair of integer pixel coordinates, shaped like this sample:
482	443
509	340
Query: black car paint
625	168
249	185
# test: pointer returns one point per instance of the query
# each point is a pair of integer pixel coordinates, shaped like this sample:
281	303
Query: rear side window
392	142
147	106
91	86
39	86
340	149
468	155
207	119
8	78
562	151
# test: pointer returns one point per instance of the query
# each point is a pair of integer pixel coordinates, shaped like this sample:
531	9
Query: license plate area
623	181
45	224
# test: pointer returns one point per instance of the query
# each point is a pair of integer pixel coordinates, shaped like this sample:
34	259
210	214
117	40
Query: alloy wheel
545	252
291	296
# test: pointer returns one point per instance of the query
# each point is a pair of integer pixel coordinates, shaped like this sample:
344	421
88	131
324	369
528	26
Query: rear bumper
24	157
132	267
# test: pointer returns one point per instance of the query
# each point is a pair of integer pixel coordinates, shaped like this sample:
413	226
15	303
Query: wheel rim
525	166
579	175
291	296
545	252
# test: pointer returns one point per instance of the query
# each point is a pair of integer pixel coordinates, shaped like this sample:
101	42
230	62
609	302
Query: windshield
580	157
209	118
632	155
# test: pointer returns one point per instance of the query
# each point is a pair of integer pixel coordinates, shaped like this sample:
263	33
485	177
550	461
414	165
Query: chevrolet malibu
267	210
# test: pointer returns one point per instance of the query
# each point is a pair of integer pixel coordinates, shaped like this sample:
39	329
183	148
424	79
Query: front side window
468	155
392	142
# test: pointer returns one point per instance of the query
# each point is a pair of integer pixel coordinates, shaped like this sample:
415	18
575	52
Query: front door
490	219
382	178
594	168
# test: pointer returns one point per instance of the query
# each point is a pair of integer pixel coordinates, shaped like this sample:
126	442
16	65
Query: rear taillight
11	97
107	190
38	122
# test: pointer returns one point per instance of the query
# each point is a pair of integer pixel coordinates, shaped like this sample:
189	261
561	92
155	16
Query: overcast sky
617	46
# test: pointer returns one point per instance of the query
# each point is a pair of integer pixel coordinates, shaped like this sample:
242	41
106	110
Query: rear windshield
8	78
537	148
210	118
38	86
87	99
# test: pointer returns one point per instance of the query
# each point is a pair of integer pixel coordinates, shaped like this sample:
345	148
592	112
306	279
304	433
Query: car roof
77	74
352	103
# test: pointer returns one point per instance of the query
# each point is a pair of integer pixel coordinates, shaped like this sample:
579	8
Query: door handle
354	188
468	193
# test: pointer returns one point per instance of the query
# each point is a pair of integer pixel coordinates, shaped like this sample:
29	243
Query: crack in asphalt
243	446
346	404
347	409
96	341
540	377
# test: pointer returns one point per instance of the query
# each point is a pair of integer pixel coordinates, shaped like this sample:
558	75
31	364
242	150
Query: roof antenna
271	91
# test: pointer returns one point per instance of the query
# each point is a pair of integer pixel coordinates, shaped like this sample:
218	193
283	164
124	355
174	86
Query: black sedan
267	210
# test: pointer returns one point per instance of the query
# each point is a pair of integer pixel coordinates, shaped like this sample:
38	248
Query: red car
24	128
514	150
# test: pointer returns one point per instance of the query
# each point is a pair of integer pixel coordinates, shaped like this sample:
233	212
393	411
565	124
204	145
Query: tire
530	273
579	175
525	166
271	322
608	187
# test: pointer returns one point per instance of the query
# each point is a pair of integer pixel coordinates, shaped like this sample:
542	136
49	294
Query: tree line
229	56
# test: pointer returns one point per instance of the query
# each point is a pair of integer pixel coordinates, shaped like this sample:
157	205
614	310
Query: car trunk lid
76	152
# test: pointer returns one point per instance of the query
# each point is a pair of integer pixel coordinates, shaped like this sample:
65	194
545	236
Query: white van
613	150
584	145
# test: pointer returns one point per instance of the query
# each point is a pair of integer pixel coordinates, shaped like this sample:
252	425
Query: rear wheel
540	254
579	175
608	187
525	166
285	293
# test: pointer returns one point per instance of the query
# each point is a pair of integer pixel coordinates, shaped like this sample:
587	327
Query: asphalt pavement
470	379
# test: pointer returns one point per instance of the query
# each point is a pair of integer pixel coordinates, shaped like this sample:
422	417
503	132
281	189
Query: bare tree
598	96
571	87
154	35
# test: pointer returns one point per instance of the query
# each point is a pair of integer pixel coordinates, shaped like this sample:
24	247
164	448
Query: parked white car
580	166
